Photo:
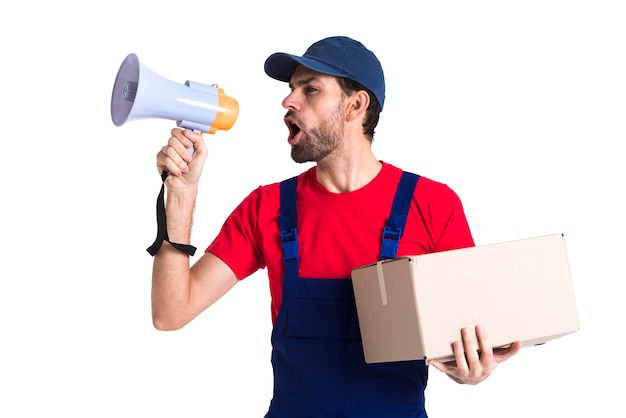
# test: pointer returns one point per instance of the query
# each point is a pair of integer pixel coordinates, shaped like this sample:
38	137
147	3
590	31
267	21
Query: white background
518	106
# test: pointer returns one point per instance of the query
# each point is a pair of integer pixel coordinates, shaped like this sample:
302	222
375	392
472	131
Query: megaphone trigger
140	93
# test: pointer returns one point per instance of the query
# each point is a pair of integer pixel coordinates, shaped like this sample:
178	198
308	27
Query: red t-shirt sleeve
437	222
242	237
455	230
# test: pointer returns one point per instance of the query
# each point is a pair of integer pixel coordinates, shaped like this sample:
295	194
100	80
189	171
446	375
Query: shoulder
269	194
426	186
427	191
429	187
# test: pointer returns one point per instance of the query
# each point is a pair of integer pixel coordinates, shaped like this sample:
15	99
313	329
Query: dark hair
349	86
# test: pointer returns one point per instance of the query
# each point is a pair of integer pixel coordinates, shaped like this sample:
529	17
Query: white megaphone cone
139	93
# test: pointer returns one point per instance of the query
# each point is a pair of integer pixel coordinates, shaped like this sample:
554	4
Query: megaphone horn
140	93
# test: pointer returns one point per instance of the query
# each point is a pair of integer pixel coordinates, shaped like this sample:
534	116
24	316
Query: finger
439	365
504	353
169	159
486	350
471	350
459	356
181	143
193	140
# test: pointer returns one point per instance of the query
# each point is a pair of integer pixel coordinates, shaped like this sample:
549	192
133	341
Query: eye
310	89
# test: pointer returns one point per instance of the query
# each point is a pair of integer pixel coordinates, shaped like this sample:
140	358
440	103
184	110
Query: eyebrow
303	81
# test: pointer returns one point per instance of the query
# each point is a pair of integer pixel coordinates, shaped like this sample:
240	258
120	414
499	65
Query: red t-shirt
337	232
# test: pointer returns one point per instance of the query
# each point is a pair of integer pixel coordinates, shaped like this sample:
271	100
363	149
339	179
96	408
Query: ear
357	105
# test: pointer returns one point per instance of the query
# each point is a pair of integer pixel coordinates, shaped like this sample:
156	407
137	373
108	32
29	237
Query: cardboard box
412	308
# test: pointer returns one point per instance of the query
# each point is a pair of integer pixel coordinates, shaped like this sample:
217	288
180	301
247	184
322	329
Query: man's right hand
185	168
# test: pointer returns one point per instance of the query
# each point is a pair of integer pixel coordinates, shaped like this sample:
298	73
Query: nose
290	102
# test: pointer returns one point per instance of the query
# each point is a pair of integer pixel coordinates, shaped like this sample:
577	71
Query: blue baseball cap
338	56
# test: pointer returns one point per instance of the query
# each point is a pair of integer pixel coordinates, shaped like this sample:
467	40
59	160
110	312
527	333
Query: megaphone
140	93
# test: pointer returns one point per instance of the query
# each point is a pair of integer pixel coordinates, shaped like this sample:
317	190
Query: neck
349	171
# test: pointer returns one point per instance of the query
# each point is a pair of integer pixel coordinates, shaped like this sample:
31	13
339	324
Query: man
310	232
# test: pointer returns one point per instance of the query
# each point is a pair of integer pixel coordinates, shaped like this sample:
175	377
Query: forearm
179	208
171	279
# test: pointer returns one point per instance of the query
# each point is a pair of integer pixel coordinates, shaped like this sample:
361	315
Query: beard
318	142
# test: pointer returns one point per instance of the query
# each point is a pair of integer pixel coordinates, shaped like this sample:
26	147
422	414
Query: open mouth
294	130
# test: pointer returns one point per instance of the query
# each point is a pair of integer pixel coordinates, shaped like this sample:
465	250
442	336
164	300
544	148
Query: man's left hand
471	364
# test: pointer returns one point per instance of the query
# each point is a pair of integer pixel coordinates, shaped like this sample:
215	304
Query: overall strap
288	222
399	212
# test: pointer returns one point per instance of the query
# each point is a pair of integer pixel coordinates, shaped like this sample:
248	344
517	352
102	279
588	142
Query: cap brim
281	66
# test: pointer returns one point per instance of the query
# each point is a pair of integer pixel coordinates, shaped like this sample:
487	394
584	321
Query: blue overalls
317	356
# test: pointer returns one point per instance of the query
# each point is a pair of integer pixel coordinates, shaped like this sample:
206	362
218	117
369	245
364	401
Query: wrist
175	221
